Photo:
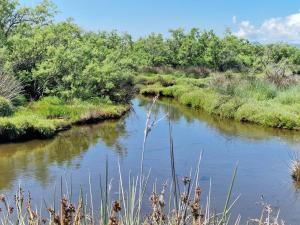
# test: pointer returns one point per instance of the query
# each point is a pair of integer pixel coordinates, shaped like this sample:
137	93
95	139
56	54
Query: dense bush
197	52
6	108
59	59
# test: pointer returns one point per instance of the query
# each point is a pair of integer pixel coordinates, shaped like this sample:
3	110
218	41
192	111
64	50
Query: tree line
62	59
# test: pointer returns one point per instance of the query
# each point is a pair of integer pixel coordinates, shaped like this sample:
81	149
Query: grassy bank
46	117
236	96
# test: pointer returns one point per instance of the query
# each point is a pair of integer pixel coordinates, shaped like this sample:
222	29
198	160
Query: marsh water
77	157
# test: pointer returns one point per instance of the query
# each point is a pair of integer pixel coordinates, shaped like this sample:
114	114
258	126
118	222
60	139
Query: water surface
73	156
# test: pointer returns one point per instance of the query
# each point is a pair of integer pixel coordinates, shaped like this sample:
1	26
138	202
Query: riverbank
245	99
47	117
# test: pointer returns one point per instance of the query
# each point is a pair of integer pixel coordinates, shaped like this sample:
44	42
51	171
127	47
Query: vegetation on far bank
229	95
41	58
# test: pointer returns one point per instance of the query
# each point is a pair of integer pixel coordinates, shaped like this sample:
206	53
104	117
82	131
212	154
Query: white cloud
286	29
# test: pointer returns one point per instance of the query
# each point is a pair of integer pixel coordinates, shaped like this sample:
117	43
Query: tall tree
13	16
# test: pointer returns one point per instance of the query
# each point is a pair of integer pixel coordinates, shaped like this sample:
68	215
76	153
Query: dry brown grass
280	76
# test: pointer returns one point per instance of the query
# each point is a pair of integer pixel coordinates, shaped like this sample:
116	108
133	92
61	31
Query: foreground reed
179	201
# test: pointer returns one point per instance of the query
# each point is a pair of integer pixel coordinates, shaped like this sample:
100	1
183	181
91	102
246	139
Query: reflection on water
227	127
17	159
263	155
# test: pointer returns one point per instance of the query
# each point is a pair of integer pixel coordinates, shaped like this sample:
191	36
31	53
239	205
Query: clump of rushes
296	170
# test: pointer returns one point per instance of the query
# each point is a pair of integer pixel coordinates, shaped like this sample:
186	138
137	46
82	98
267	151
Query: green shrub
6	108
19	100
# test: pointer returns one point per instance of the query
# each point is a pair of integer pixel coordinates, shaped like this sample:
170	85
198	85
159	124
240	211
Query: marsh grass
247	99
179	201
44	118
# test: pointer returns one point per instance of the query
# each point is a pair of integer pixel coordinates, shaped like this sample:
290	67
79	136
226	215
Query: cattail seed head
153	199
184	198
116	207
186	180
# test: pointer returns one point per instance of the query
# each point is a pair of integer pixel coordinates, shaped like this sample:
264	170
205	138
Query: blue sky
258	20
